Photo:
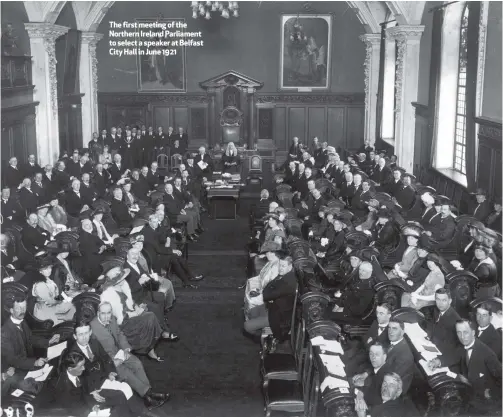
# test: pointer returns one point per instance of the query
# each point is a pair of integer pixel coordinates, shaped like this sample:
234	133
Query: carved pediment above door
231	78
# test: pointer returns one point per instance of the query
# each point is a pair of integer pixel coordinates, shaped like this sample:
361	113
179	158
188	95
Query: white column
89	85
407	70
373	47
43	50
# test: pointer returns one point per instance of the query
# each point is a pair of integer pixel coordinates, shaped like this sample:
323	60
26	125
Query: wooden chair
462	286
283	188
163	164
285	199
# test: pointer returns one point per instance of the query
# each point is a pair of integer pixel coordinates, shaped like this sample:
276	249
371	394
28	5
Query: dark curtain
471	92
380	87
434	87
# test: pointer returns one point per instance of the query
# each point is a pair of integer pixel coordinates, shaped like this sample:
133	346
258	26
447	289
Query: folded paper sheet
56	350
332	382
40	374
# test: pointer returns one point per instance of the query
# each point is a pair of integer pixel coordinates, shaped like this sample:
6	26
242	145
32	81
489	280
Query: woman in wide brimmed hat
45	220
268	272
425	295
63	274
412	232
48	305
57	212
141	328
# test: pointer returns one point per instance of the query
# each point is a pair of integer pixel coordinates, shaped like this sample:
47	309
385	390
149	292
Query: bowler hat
442	200
479	191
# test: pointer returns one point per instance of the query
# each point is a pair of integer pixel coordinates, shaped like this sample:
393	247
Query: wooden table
224	200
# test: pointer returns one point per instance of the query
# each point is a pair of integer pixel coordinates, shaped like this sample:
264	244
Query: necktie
77	382
476	209
480	332
89	353
468	354
438	319
381	329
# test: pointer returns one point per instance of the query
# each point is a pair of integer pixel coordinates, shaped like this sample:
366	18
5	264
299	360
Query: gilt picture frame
305	53
165	73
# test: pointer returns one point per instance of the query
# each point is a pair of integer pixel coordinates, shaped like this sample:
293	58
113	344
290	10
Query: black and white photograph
251	208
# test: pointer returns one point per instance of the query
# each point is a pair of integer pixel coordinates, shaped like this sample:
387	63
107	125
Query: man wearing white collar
486	332
17	352
479	364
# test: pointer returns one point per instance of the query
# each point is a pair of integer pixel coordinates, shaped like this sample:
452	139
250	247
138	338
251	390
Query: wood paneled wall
189	111
334	118
18	132
422	138
489	156
70	122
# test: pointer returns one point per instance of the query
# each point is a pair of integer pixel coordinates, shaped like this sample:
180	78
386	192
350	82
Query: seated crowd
104	229
387	252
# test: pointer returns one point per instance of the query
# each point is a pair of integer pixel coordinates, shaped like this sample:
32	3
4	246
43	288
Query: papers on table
334	364
17	393
332	382
420	341
118	386
100	413
120	355
56	350
40	374
203	165
327	345
429	372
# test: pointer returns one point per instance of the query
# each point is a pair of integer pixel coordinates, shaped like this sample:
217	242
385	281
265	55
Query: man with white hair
27	197
117	170
13	175
348	189
34	238
31	168
203	164
382	176
74	200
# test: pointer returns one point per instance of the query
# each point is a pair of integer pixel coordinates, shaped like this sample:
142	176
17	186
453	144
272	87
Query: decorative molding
370	41
286	98
484	12
490	132
135	98
48	33
402	35
91	39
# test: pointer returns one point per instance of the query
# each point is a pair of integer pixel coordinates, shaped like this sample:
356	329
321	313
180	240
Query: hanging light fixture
206	9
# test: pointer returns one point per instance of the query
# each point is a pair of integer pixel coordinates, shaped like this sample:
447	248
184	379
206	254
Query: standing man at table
203	164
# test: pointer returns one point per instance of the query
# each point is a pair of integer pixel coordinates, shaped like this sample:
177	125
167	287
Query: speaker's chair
231	119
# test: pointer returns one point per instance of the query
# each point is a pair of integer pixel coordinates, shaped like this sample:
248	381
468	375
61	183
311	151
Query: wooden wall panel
317	124
18	133
489	156
198	124
161	117
296	123
181	118
484	164
280	130
355	127
336	125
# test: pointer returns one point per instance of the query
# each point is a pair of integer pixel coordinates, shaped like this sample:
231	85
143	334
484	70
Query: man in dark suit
91	247
120	211
18	341
34	238
295	152
442	331
98	367
479	364
40	188
101	180
443	231
162	140
359	202
153	176
483	207
176	212
369	382
12	176
493	221
28	199
88	190
74	168
139	184
117	170
203	164
183	138
278	296
12	212
290	174
60	179
347	189
486	332
405	195
31	167
396	183
74	200
400	358
158	246
382	176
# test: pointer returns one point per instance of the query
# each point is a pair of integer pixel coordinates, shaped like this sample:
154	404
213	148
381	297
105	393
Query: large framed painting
164	73
306	44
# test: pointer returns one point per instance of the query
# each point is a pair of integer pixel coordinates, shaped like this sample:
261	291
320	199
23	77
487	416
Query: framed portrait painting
306	44
163	73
